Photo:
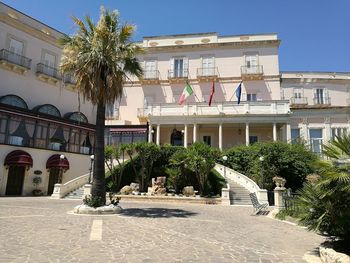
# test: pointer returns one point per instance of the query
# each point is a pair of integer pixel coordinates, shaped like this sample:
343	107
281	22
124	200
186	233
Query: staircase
238	194
76	194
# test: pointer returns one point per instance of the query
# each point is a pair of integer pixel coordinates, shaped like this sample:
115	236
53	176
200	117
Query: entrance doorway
55	177
15	180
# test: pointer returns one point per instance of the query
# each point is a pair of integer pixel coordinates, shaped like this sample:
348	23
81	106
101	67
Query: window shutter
315	95
172	69
185	67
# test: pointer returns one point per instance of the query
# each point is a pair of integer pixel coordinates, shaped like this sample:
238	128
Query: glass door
15	180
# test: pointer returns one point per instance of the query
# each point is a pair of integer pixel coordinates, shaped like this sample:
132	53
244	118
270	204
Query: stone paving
41	230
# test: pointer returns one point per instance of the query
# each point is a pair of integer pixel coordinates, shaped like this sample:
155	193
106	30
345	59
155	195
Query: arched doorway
57	164
17	162
176	138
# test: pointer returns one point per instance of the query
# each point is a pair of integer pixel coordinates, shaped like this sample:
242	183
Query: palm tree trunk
99	183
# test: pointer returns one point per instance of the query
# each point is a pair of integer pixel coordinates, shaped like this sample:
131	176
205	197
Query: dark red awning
56	162
19	158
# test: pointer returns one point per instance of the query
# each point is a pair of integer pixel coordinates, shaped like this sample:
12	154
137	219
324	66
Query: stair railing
242	180
61	190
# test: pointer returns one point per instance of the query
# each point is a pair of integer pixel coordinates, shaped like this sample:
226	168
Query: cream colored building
274	105
43	131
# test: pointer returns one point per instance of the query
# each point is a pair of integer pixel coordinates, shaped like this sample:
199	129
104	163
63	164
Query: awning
56	162
128	130
19	158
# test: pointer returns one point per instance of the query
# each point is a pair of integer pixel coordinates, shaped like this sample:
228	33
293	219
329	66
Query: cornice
29	30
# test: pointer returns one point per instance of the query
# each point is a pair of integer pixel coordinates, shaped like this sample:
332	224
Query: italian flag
186	93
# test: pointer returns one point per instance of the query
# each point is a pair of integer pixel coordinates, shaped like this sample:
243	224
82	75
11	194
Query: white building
274	105
43	132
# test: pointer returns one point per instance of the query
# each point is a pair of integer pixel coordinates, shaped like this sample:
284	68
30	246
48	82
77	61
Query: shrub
93	201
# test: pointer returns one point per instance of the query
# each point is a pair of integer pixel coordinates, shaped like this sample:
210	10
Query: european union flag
239	93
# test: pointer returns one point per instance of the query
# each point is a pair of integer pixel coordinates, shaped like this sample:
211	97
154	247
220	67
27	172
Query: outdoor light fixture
182	131
224	158
261	158
61	157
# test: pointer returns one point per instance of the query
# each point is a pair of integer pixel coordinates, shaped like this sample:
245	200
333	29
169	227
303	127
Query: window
316	140
253	139
297	93
295	134
3	124
48	109
150	69
321	96
78	117
49	64
208	66
179	68
338	132
16	51
207	139
13	100
41	135
74	141
251	97
251	63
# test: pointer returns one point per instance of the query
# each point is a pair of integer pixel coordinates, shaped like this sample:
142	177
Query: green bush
93	201
290	161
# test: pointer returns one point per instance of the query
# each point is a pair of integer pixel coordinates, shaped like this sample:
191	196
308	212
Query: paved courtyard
41	230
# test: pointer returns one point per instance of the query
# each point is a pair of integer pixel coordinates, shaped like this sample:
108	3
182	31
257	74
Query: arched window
48	109
77	116
13	100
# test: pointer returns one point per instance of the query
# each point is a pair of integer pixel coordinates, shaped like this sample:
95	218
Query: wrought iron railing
302	100
177	74
15	58
151	74
207	72
69	79
252	70
290	201
48	71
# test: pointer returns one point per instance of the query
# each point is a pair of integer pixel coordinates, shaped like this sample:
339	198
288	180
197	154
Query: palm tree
101	57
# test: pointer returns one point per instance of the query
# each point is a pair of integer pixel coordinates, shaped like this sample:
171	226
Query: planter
102	210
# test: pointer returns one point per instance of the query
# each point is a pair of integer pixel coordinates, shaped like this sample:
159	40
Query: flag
239	93
212	93
186	93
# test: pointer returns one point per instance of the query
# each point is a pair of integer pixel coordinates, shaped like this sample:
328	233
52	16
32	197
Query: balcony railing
322	100
69	79
224	108
151	74
48	71
177	74
207	73
252	72
14	58
298	101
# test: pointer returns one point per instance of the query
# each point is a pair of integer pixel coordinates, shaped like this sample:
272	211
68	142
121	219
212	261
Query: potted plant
36	181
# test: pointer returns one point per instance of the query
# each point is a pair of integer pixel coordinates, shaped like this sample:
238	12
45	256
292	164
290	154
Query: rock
135	187
160	191
188	191
329	255
126	190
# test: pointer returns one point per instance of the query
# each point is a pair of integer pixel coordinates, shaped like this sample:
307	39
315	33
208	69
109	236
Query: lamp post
261	159
92	157
224	158
61	169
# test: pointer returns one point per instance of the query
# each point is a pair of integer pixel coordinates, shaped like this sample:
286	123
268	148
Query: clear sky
315	34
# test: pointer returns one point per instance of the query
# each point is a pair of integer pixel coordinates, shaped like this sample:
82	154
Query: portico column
220	136
149	132
247	134
158	134
194	132
304	130
327	130
185	136
288	133
274	132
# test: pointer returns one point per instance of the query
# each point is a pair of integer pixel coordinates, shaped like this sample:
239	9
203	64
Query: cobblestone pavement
41	230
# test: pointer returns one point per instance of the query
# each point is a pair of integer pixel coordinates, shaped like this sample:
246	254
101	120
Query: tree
100	57
113	153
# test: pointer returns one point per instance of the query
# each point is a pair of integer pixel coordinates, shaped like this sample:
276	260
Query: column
158	134
220	136
149	132
185	136
247	134
327	130
304	130
274	132
194	132
288	133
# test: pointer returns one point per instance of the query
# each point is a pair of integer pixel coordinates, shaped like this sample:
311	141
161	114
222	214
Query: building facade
274	105
44	131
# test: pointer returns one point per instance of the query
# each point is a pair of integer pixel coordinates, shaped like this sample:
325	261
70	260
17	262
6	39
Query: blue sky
315	34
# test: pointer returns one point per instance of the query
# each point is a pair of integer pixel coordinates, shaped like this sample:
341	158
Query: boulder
126	190
135	187
188	191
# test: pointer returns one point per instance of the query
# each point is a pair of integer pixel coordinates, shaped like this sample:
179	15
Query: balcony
150	77
252	72
69	80
322	101
47	74
14	62
177	76
207	74
298	101
219	109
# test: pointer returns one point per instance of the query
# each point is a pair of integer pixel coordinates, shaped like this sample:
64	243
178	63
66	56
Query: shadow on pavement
156	212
